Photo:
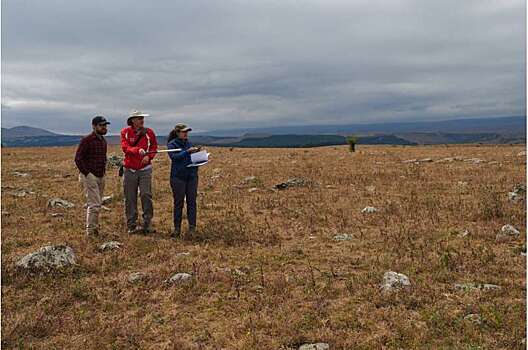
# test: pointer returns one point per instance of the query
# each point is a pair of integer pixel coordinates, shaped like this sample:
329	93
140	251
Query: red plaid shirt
91	155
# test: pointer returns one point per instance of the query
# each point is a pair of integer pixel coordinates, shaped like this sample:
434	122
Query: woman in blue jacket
183	179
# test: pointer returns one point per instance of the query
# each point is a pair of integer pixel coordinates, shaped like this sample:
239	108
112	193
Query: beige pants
93	189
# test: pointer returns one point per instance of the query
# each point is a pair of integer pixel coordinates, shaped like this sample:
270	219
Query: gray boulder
136	277
111	245
394	281
60	203
510	230
48	258
179	278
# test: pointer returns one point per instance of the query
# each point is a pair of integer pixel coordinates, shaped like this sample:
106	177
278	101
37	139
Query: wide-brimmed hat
182	127
136	114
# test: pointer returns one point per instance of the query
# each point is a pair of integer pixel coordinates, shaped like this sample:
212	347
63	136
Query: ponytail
172	135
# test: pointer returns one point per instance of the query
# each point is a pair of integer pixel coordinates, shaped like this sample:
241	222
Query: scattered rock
343	237
48	258
249	179
115	160
473	160
473	318
112	245
315	346
513	196
510	230
393	281
506	233
60	203
521	154
6	213
369	210
183	254
57	215
468	287
293	182
135	277
253	189
464	233
107	199
179	278
20	193
17	173
518	191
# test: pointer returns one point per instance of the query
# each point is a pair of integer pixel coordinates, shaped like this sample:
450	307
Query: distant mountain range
481	130
501	125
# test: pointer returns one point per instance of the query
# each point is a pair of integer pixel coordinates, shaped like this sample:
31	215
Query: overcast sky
225	64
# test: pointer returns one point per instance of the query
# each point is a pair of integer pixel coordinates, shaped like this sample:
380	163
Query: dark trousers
184	190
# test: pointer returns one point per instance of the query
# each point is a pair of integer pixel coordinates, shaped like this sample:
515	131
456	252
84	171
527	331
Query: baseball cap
99	119
182	127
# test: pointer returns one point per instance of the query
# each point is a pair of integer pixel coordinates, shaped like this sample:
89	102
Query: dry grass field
267	271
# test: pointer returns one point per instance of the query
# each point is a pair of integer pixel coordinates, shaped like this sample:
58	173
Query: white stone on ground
510	230
315	346
464	233
343	237
393	281
369	210
179	278
111	245
48	258
135	277
60	203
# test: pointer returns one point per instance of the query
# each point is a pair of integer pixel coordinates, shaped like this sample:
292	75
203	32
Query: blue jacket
180	160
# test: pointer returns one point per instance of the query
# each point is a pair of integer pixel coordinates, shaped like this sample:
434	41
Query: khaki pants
132	182
93	189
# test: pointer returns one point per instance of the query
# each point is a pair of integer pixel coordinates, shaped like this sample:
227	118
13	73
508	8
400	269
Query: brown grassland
267	272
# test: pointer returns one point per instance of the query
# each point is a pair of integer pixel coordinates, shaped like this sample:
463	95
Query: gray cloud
219	64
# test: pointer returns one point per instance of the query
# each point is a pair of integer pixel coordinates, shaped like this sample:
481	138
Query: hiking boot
92	233
176	234
134	230
146	230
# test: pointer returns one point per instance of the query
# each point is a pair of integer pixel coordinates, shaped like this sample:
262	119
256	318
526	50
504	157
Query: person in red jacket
136	142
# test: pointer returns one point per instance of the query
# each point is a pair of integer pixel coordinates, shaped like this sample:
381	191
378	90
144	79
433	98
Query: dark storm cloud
218	64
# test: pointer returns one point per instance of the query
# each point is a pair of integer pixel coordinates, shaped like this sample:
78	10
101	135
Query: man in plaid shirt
91	162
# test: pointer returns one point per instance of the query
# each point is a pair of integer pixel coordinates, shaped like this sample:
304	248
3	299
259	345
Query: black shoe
134	231
148	230
175	234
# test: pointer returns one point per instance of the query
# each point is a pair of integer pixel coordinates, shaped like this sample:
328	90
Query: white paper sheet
199	158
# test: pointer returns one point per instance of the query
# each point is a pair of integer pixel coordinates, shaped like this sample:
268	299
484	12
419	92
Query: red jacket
132	158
